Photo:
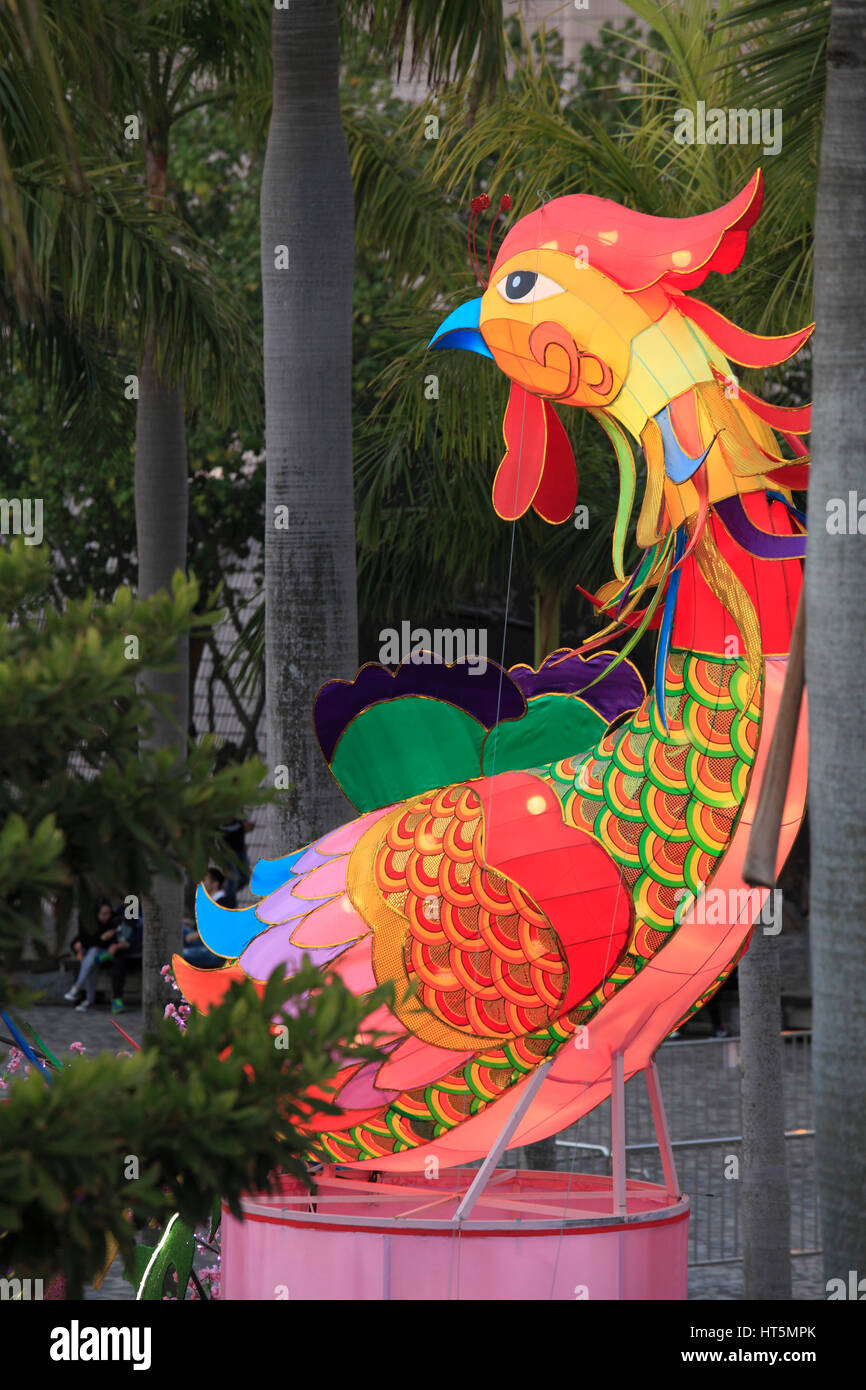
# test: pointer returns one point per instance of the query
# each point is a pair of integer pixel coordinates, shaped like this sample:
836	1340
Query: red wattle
519	474
557	492
538	469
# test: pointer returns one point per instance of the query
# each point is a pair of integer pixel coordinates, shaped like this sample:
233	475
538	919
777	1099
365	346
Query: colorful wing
387	736
284	926
489	915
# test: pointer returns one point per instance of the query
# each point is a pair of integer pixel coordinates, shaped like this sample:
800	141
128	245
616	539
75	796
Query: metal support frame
660	1122
617	1136
617	1132
482	1177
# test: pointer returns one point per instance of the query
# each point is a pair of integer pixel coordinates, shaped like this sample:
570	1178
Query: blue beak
460	330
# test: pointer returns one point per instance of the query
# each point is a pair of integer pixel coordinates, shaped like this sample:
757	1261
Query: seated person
125	947
194	949
91	947
234	834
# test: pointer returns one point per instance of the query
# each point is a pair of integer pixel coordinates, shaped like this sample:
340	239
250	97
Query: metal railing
700	1081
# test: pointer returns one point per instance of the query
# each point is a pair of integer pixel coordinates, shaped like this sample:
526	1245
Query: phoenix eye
527	286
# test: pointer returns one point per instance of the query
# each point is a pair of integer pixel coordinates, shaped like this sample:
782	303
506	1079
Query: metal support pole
660	1121
482	1177
617	1132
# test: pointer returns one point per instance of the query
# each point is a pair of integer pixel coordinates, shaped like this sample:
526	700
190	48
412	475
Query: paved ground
700	1081
713	1283
58	1025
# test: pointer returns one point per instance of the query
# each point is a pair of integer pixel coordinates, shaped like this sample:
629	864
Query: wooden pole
759	869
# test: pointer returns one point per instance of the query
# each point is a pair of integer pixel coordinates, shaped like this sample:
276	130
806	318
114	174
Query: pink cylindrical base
532	1235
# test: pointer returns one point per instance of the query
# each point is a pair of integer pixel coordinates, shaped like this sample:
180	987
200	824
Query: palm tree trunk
766	1203
307	272
161	505
161	521
835	643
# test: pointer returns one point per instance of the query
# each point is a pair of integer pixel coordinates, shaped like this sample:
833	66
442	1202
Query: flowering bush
207	1108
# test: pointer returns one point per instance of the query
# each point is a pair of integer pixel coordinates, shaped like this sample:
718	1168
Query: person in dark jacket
91	943
125	947
194	949
234	834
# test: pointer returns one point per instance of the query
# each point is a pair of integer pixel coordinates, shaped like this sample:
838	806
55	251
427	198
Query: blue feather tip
667	623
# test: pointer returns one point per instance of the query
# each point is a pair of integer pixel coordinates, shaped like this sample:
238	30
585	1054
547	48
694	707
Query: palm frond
785	61
112	260
449	40
539	138
401	213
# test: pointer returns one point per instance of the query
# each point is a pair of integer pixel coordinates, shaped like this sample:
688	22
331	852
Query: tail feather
205	988
271	873
225	931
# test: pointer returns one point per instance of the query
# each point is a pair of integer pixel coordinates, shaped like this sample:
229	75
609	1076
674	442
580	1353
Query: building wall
576	25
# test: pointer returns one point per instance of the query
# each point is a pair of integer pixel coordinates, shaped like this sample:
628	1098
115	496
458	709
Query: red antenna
505	204
480	204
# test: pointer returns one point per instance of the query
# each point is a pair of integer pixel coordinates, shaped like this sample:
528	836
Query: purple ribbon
759	543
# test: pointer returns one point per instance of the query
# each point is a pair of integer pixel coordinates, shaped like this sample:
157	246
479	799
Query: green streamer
627	484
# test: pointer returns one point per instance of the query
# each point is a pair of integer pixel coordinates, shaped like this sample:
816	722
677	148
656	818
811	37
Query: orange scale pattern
640	787
481	953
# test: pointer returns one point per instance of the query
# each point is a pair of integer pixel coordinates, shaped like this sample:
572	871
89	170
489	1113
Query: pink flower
210	1278
172	1012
